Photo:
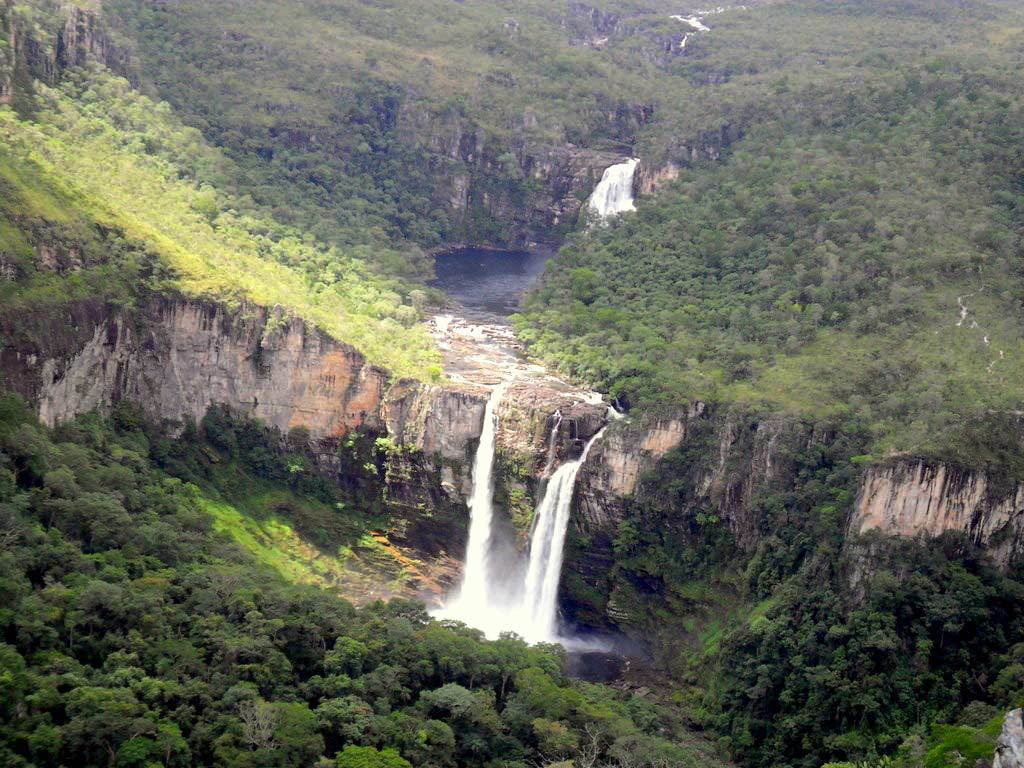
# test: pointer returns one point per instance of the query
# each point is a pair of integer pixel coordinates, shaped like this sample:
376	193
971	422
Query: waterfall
552	445
495	598
475	601
614	193
539	612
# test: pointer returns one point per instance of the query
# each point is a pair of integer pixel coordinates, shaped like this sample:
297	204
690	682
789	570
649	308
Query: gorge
416	384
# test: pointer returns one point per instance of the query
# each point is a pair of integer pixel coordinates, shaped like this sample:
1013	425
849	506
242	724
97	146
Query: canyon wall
926	499
176	358
509	192
37	51
730	455
723	463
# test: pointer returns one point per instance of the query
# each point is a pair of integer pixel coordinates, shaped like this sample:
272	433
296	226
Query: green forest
823	268
829	234
137	634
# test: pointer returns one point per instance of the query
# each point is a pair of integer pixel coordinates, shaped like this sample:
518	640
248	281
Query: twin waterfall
499	592
495	599
475	585
614	193
544	571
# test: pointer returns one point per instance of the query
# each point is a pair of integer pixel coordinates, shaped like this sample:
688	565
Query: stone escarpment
42	51
1010	744
176	358
719	460
927	499
510	193
723	462
708	145
732	456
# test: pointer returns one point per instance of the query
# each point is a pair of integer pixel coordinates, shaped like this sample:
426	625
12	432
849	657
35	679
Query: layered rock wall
177	358
927	499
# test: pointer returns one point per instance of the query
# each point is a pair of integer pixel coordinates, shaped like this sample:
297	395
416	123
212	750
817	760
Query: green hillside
102	171
822	266
835	244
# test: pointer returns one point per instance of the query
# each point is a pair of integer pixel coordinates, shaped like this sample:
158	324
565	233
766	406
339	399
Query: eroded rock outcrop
719	461
1010	744
733	454
919	498
176	358
44	50
589	26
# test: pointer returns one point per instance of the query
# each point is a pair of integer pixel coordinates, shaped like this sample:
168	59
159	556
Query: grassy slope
101	156
817	268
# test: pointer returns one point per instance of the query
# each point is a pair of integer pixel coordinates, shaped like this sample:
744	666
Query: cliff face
176	358
41	52
9	34
732	456
917	498
510	194
719	461
1010	744
652	174
722	462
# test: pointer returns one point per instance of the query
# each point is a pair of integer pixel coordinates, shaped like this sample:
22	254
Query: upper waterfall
614	193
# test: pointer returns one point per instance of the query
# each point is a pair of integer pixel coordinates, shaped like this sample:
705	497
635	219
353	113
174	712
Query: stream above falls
473	330
506	585
488	285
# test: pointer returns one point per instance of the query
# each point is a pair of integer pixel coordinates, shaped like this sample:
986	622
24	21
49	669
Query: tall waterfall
539	610
614	193
552	444
496	598
475	601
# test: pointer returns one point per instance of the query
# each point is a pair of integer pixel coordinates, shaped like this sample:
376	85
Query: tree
259	723
369	757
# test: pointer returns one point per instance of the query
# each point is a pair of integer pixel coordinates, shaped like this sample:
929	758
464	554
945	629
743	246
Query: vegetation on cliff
858	252
105	194
134	632
809	648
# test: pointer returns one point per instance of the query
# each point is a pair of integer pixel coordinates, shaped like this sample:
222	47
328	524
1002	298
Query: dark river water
487	282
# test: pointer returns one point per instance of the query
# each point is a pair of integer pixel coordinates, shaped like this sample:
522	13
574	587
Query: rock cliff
41	50
1010	744
176	358
723	462
510	193
733	454
919	498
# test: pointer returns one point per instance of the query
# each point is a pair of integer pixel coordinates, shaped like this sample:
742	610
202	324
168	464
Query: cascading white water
539	612
552	444
474	601
614	193
505	602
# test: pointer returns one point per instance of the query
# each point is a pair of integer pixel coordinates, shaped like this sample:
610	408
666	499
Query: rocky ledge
919	498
